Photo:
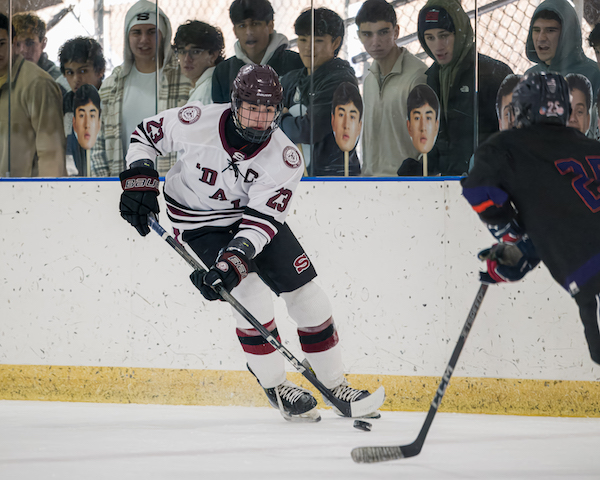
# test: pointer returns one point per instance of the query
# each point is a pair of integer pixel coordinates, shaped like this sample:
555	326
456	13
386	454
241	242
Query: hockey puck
366	426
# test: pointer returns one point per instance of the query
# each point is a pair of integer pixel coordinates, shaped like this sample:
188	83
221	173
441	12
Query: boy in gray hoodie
554	42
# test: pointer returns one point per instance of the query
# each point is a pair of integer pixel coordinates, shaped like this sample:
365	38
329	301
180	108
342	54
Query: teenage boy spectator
199	48
393	74
82	63
37	142
554	42
580	91
129	94
31	41
324	73
257	42
445	33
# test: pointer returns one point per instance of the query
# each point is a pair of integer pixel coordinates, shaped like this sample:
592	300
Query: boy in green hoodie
445	32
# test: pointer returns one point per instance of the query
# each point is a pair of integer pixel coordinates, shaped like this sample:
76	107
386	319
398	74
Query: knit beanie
147	18
435	17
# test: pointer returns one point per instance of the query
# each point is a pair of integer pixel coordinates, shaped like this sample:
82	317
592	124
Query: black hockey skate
348	394
294	403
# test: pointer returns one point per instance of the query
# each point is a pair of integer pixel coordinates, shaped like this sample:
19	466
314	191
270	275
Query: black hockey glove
506	262
230	268
139	197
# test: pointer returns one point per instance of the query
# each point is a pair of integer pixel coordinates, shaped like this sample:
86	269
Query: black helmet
541	98
257	85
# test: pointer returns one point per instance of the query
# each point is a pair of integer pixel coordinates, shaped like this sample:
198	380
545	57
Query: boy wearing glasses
199	48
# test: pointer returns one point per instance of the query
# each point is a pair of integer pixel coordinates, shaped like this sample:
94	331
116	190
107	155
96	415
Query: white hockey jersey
213	184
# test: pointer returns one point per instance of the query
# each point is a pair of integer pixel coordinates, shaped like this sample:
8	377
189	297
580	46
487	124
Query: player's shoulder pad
281	145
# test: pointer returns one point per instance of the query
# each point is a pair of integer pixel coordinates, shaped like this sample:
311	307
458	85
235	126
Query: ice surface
86	441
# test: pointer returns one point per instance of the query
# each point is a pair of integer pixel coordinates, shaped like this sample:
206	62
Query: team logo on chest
189	115
291	157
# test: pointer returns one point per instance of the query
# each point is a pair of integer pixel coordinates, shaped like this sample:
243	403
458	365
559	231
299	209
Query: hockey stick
382	454
356	408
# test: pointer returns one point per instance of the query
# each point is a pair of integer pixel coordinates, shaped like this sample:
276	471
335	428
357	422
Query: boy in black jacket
307	113
258	43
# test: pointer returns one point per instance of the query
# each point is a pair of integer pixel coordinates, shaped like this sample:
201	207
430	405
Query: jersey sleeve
484	188
155	136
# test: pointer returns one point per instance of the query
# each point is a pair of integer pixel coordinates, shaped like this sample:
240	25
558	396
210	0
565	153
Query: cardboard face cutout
86	116
423	117
346	117
581	95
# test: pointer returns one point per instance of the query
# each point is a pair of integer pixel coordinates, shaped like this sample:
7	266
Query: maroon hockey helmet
541	97
257	85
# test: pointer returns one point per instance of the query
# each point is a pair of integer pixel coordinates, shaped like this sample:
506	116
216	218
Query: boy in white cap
129	94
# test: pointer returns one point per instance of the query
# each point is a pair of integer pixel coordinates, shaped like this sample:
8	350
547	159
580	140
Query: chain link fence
501	30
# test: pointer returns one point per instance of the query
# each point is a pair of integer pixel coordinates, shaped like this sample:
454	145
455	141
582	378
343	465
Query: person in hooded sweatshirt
130	94
257	43
554	42
446	35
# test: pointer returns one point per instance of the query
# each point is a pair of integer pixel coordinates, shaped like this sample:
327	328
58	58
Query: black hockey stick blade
357	408
382	454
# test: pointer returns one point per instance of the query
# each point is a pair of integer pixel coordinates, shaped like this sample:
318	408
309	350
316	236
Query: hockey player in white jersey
228	197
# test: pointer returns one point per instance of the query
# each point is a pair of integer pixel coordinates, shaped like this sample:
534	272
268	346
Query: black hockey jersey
547	177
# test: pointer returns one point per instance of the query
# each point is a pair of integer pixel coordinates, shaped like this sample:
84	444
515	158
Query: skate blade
369	405
312	416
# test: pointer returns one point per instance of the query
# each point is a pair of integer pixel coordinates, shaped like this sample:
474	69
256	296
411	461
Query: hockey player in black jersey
228	197
537	188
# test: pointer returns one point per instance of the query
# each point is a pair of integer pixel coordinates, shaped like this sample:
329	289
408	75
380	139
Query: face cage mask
251	134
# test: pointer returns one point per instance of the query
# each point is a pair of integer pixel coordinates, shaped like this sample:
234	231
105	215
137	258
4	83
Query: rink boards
90	311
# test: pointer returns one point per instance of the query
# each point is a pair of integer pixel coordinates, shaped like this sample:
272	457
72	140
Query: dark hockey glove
230	268
506	263
139	197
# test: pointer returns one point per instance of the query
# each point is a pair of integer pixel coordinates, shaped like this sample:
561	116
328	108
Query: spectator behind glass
445	33
392	75
199	47
37	142
31	42
129	94
594	42
304	120
504	108
554	42
580	90
82	63
257	42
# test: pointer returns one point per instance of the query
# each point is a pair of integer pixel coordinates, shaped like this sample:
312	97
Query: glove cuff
140	179
236	261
